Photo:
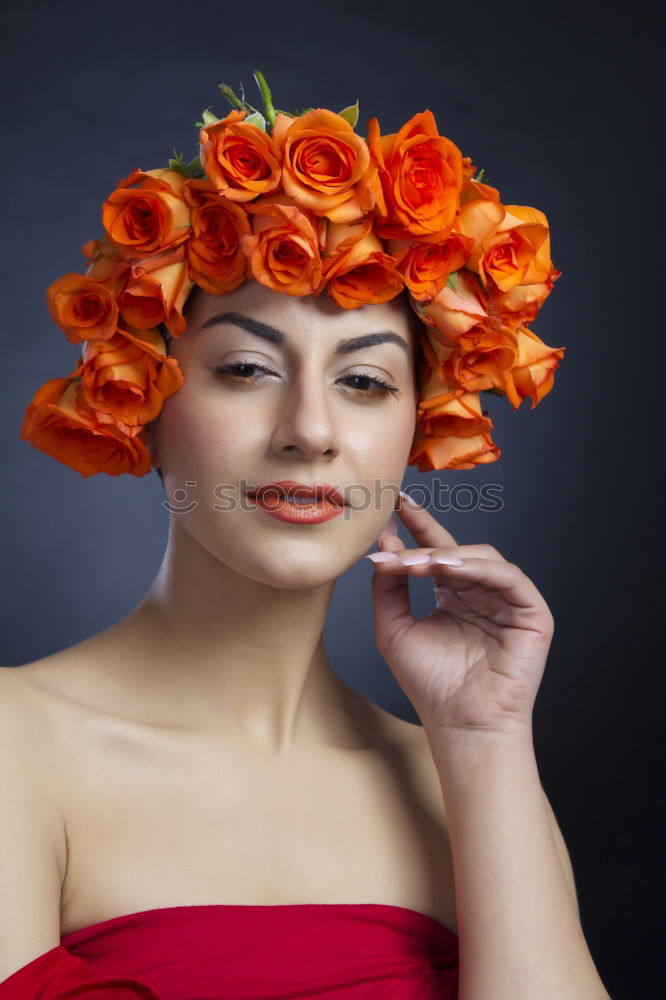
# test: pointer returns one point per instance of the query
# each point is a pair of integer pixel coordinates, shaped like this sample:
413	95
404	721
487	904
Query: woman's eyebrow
277	337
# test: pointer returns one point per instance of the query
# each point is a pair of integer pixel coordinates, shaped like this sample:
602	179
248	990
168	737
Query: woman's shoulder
20	696
406	744
49	698
66	677
31	700
27	734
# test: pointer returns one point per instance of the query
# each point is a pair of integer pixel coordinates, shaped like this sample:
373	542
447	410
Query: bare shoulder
409	735
29	737
27	716
33	701
409	745
57	675
22	710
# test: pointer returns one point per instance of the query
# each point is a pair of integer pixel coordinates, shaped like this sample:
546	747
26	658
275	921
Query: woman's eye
364	384
240	369
382	388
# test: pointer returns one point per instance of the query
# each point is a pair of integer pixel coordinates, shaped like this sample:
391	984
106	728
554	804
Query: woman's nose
304	420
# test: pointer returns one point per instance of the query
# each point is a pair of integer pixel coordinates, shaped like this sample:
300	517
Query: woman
199	802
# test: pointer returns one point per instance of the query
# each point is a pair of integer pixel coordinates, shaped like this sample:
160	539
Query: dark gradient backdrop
558	104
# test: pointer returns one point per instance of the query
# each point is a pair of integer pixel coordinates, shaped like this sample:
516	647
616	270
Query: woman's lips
304	491
317	503
297	513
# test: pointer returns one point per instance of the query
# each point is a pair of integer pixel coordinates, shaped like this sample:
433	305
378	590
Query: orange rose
451	452
326	166
533	371
105	263
522	302
427	266
238	158
216	259
456	311
283	250
421	176
442	413
129	376
151	216
482	359
157	291
356	269
84	308
472	189
511	243
462	342
60	423
436	355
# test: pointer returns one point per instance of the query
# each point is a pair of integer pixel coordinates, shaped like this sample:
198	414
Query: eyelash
384	388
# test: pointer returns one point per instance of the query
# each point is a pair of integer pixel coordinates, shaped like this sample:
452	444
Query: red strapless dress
336	951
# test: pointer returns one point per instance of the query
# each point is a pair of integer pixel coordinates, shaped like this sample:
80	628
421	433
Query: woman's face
303	407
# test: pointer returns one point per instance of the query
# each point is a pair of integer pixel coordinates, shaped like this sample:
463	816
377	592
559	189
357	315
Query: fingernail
415	560
378	557
448	561
408	500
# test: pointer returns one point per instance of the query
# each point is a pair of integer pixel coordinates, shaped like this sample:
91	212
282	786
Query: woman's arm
518	925
471	668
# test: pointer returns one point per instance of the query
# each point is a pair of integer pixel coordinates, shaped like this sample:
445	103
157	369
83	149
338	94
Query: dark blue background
558	104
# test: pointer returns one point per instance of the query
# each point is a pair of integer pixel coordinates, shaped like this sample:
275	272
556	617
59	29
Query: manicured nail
415	560
378	557
408	500
448	561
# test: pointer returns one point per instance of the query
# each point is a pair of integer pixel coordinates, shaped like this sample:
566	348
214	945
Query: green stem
230	96
269	110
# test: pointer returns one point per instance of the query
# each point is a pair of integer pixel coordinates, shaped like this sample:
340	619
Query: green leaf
208	117
350	114
192	169
296	113
479	177
256	119
452	281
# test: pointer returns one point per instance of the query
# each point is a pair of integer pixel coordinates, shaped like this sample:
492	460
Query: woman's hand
475	662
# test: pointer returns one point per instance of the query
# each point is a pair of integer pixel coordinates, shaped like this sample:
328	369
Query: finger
478	551
388	542
427	531
488	604
451	603
391	608
507	579
497	575
488	610
390	532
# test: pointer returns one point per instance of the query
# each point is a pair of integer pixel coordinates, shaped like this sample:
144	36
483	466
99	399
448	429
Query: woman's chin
298	568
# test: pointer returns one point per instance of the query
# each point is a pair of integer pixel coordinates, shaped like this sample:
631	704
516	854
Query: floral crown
303	204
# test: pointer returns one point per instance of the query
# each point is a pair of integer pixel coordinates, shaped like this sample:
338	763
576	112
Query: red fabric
336	951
